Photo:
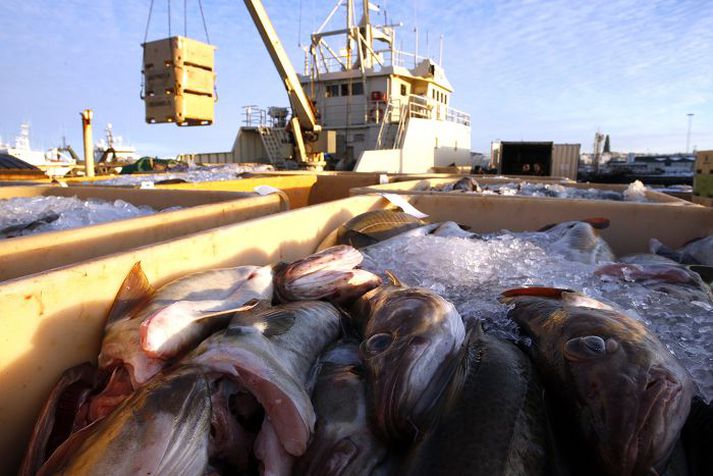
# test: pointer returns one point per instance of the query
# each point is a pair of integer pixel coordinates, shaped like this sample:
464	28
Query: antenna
440	52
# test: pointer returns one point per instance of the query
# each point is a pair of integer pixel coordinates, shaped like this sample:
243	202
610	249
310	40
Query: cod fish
14	231
162	429
146	328
411	341
330	274
580	240
672	279
610	376
495	423
698	251
269	353
464	184
55	423
343	444
371	227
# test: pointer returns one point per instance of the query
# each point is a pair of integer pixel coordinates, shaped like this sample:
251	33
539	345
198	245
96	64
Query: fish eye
585	348
378	343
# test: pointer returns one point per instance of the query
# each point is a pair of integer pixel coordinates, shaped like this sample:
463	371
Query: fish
495	422
698	251
464	184
14	231
147	327
580	240
54	425
270	353
343	443
371	227
697	438
330	274
626	394
162	429
672	279
411	340
645	259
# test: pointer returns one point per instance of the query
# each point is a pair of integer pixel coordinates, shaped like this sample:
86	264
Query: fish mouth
662	409
409	407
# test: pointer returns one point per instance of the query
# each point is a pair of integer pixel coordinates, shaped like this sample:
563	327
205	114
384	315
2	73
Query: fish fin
477	330
535	291
705	272
271	322
658	248
133	294
357	239
693	240
547	227
394	280
598	223
251	305
330	240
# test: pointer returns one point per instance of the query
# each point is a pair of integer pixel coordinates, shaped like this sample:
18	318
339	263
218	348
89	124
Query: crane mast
304	122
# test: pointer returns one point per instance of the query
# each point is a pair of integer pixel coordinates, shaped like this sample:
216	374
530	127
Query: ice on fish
635	192
471	273
72	213
190	174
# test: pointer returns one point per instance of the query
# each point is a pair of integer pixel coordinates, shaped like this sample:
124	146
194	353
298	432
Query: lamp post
688	135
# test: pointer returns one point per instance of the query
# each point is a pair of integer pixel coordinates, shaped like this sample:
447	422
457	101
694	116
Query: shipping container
536	159
54	320
201	210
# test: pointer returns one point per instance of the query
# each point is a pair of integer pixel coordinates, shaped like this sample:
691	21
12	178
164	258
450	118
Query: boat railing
330	63
254	116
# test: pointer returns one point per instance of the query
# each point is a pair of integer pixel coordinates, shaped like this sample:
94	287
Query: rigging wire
148	22
299	28
169	18
185	18
205	26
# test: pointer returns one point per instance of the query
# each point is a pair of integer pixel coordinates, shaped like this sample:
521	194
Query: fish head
580	240
633	397
626	392
329	274
410	347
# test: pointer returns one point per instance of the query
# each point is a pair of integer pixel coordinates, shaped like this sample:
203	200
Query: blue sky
525	70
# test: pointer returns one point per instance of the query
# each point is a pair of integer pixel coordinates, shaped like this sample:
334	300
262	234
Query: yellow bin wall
202	210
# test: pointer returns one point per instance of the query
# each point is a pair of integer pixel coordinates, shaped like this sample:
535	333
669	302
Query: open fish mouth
651	442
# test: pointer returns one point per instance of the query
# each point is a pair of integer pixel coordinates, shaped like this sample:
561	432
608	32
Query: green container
703	185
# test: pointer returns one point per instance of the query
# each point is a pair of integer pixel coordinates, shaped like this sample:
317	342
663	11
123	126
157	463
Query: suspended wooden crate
179	81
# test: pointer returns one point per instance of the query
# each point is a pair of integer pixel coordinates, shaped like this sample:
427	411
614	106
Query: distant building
660	164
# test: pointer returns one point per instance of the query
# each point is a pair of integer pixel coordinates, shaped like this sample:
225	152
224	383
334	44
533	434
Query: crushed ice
471	273
23	216
200	173
635	192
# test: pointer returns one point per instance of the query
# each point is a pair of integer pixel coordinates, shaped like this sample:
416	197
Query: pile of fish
636	191
322	367
23	216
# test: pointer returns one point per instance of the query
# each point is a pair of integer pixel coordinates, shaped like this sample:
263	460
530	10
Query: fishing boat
54	162
364	105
